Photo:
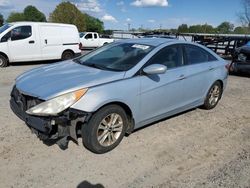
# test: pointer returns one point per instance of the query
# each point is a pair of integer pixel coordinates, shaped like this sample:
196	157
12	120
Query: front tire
105	129
213	96
3	61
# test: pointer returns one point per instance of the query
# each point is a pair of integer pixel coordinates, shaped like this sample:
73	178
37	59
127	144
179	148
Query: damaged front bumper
59	129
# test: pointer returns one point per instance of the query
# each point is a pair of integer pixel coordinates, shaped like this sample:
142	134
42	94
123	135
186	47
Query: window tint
21	32
170	56
95	36
6	37
88	36
196	55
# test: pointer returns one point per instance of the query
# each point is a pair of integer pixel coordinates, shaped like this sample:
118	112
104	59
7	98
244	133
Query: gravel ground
195	149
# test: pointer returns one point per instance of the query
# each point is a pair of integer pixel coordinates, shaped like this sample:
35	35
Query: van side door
23	44
51	41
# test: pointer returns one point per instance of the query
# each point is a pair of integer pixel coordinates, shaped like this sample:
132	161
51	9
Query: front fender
124	91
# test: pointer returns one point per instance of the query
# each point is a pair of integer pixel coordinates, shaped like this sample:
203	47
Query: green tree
207	28
66	12
183	28
94	24
1	20
195	29
241	30
31	13
15	17
225	27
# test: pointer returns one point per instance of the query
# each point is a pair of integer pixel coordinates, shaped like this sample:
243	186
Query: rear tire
105	129
67	55
3	61
213	96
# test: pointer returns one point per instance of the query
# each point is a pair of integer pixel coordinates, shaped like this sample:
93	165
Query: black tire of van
67	55
3	61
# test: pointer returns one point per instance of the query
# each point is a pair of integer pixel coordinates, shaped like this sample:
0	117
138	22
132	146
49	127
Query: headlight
57	104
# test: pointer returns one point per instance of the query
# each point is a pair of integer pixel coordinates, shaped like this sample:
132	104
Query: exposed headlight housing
56	105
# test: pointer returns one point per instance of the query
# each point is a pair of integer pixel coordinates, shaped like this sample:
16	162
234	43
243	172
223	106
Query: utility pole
128	26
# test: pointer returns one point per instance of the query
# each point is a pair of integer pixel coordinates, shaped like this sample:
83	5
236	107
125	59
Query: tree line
223	28
65	12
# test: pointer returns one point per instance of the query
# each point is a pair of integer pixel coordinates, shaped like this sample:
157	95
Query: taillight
80	46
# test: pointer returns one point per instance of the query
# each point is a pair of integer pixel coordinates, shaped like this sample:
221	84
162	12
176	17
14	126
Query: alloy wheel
110	129
214	95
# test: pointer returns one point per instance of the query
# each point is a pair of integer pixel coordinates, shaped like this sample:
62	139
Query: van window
88	36
21	32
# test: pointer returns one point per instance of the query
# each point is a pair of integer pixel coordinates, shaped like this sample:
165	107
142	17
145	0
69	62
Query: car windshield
81	34
116	57
4	27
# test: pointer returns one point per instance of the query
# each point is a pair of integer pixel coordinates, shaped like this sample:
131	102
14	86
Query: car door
198	73
89	41
23	45
162	93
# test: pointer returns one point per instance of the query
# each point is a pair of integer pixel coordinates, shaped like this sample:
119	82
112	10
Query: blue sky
153	14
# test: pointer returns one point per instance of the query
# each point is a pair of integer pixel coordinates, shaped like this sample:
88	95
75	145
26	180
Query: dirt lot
196	149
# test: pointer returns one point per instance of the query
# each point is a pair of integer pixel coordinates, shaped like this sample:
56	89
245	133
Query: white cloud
108	18
89	6
4	3
128	20
150	3
151	21
120	3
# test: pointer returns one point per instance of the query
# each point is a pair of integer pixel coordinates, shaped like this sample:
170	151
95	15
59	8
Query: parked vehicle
33	41
241	60
93	40
118	88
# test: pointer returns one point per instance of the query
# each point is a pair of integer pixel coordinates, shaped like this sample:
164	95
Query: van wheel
105	129
213	96
3	61
67	55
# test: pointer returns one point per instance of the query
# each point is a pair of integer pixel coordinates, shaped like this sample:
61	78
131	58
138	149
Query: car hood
50	81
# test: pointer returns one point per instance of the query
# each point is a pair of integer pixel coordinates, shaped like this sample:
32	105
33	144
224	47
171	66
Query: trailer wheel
67	55
3	61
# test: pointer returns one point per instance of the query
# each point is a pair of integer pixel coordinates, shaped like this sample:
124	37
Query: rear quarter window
195	55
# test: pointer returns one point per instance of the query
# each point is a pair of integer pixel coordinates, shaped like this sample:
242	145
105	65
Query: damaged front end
51	129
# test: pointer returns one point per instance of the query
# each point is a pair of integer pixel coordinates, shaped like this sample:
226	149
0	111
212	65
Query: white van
34	41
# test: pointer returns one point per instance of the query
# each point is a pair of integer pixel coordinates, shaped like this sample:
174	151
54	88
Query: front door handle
46	41
31	42
182	77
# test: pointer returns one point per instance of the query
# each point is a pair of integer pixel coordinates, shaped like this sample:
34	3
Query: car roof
149	41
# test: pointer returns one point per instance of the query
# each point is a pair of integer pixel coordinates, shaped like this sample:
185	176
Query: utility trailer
224	44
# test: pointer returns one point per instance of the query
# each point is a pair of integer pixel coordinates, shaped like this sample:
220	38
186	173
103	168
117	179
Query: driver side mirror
155	69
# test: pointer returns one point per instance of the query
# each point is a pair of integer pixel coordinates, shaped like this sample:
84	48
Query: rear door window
195	55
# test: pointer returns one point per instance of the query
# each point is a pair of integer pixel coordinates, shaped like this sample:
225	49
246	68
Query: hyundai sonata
116	89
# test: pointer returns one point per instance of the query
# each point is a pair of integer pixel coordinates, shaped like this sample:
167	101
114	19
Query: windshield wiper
94	65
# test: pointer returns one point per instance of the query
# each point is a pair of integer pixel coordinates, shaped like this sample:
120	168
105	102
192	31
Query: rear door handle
211	68
31	42
182	77
46	41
